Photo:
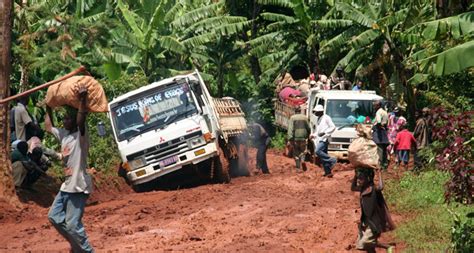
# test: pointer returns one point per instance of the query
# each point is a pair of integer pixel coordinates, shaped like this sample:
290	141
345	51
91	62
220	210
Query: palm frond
278	17
452	60
338	41
157	20
172	44
199	40
456	25
130	18
365	38
196	15
393	19
212	22
332	23
281	3
355	15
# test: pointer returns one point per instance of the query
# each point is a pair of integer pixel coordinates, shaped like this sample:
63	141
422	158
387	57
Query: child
374	218
403	143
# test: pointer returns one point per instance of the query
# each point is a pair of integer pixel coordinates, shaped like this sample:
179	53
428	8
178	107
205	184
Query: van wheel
221	168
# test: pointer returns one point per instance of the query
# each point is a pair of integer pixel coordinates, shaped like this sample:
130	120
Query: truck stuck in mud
175	123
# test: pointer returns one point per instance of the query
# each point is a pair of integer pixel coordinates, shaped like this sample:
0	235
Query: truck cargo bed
231	117
283	113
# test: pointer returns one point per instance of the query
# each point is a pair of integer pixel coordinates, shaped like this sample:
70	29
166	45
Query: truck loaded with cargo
346	108
174	123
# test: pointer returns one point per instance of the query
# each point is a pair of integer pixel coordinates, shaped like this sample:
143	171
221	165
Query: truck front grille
165	149
341	140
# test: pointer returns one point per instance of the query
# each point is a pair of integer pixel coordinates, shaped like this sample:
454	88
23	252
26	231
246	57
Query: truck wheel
141	187
221	168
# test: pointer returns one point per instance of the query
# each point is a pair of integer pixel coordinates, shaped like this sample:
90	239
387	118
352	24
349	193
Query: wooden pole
73	73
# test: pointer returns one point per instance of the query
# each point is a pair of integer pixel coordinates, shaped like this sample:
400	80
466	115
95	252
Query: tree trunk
7	188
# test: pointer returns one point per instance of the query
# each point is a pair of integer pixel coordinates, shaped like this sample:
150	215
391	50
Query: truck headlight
196	142
137	163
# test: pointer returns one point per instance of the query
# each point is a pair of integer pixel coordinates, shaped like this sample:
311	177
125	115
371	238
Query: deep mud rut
281	212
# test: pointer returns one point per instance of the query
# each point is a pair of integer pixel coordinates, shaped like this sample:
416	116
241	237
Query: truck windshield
152	109
347	112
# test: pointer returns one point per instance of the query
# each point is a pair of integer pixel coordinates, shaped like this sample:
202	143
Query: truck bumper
152	171
341	155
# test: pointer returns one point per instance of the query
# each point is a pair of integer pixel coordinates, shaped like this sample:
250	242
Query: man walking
324	128
421	133
68	207
380	136
298	133
261	141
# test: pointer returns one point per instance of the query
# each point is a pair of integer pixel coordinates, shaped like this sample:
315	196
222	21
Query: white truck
345	107
173	123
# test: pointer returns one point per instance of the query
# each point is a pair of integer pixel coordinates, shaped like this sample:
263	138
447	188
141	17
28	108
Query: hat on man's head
425	109
318	108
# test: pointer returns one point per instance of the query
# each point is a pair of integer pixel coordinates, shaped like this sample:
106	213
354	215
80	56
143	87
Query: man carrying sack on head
68	207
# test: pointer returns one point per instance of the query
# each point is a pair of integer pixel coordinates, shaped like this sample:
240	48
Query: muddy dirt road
283	211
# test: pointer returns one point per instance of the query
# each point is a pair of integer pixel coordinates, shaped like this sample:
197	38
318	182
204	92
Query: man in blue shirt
358	86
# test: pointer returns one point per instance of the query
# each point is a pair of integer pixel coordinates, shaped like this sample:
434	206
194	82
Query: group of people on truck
295	92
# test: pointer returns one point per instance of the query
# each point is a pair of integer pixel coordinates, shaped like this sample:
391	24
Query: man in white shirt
21	119
323	130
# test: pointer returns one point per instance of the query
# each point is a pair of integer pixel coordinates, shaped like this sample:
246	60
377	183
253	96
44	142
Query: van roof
148	87
347	94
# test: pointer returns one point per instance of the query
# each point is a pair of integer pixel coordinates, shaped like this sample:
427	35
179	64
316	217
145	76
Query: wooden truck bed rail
283	113
231	117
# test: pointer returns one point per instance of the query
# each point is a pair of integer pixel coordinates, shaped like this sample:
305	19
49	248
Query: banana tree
292	35
211	38
145	40
445	46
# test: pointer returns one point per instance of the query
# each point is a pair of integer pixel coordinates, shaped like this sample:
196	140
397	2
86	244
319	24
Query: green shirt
298	128
18	156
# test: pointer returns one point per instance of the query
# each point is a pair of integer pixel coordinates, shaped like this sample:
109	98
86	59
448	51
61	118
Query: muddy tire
145	187
221	168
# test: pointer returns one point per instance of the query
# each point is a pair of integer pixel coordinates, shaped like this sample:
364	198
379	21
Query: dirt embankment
284	211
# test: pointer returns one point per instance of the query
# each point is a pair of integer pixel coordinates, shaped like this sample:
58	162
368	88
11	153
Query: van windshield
152	109
347	112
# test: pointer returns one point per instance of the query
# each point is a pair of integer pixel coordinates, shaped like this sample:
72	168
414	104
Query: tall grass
420	199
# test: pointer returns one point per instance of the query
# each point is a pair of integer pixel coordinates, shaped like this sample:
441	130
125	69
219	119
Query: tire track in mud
284	211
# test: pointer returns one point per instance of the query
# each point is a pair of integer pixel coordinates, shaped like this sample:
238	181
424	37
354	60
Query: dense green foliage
430	223
403	49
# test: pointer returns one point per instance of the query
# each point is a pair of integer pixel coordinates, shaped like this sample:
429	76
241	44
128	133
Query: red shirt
405	140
